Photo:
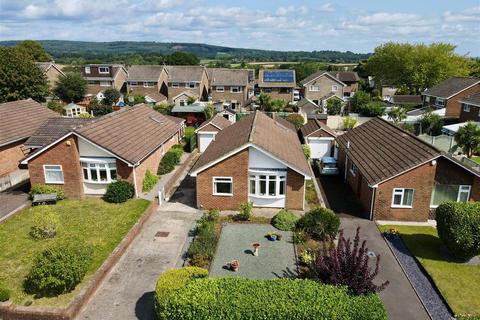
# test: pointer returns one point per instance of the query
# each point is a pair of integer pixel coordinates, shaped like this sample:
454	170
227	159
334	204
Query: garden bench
44	198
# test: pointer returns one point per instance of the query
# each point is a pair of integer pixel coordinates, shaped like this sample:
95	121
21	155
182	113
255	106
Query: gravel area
431	299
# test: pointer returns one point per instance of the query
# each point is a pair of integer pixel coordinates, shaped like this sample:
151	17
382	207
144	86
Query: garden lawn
94	221
458	283
476	159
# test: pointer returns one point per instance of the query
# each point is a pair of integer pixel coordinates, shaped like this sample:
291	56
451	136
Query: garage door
204	140
319	148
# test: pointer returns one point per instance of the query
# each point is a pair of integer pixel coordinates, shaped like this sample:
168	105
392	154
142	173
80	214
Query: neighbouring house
207	131
73	110
183	98
320	138
101	77
231	87
149	81
256	159
92	153
321	86
307	107
191	79
228	114
278	84
411	101
397	176
470	110
351	80
51	71
452	129
18	121
387	92
447	94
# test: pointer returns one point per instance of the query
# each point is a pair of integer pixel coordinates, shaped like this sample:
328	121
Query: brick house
207	131
18	121
319	137
51	71
470	110
447	94
397	176
149	81
278	84
248	161
84	157
321	86
101	77
230	87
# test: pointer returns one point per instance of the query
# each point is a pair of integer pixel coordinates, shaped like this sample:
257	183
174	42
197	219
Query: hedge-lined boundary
188	294
11	311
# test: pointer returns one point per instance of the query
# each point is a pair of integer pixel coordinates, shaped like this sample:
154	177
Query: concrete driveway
127	292
399	298
13	200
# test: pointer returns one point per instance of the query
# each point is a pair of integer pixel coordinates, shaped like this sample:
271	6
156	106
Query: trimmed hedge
285	220
43	189
319	223
205	243
149	181
458	226
119	191
188	294
168	163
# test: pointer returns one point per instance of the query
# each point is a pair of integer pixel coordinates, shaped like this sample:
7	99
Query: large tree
182	58
20	78
110	96
34	49
468	138
414	68
71	87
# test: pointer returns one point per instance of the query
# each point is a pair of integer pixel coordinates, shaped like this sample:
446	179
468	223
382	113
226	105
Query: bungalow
18	121
149	81
470	108
85	157
207	131
319	137
256	159
51	71
322	86
397	176
278	84
101	77
231	87
447	94
192	79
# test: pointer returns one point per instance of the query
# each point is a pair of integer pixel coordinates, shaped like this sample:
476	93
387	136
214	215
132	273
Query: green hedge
458	226
203	247
119	191
285	220
4	293
168	162
44	189
188	294
149	181
319	223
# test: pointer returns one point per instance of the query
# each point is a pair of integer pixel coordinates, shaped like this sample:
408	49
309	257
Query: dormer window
103	70
87	70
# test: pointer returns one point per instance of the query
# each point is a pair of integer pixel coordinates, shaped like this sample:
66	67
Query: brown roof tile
228	77
184	73
450	87
144	72
53	129
406	99
318	74
473	99
346	76
314	125
381	150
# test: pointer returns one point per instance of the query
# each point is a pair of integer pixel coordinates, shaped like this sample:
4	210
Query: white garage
204	139
320	147
319	137
207	131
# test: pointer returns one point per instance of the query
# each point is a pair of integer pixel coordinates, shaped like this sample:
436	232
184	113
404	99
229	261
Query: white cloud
327	7
470	15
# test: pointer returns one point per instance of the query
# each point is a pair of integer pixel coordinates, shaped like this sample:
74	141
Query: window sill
53	182
401	207
266	197
98	182
223	194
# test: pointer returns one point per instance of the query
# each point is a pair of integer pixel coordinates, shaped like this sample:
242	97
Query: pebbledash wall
236	166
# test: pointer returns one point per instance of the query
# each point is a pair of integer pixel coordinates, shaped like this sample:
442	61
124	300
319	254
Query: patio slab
276	259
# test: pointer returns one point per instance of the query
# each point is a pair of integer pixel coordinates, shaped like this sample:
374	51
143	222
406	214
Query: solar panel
278	76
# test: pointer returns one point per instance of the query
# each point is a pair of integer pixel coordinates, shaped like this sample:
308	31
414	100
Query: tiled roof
218	120
314	125
144	72
450	87
263	84
53	129
157	96
20	119
318	74
132	132
228	77
184	73
263	132
382	150
473	99
406	99
346	76
94	74
284	122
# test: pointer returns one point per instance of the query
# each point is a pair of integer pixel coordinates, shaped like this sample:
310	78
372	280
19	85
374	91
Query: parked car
296	95
328	166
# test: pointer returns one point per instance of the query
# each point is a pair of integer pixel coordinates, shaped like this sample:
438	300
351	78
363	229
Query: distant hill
104	51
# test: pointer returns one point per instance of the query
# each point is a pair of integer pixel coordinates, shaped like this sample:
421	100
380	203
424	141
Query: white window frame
353	169
314	88
105	83
182	102
220	89
466	108
279	179
188	85
87	70
440	102
57	170
466	189
146	84
427	98
237	88
401	192
334	88
85	164
106	70
175	85
225	180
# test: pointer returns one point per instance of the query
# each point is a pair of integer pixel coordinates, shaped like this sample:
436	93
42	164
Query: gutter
135	182
374	191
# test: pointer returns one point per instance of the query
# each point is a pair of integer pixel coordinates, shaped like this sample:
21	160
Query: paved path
399	298
127	292
11	201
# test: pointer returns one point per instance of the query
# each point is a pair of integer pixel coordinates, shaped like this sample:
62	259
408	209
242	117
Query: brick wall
236	167
68	157
473	115
295	194
240	97
450	173
453	105
10	157
421	179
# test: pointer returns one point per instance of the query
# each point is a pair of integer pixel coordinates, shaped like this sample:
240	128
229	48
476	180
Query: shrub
55	106
296	119
307	152
245	211
319	223
58	269
334	106
119	191
372	109
177	150
43	188
299	237
168	162
4	294
284	220
349	123
149	181
189	132
360	99
189	294
206	239
164	108
346	265
199	260
101	110
212	215
458	226
45	223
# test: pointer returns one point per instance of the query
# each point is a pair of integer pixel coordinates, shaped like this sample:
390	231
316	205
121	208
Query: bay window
222	186
99	171
402	198
445	192
263	185
53	174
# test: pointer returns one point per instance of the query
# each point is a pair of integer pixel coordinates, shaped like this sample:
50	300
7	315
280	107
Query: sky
357	26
